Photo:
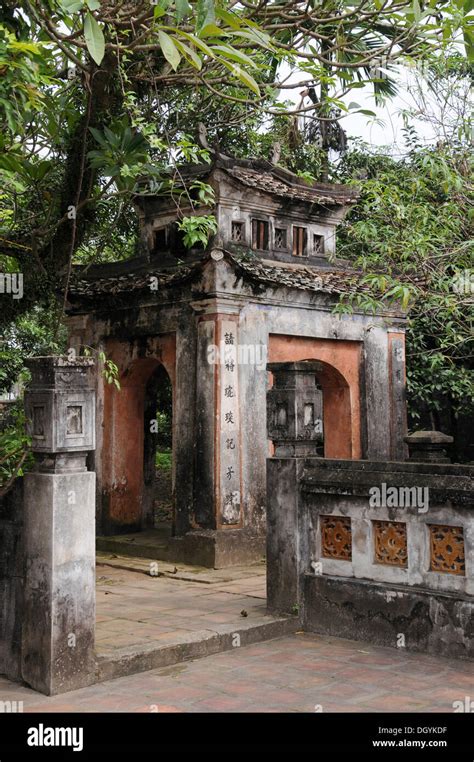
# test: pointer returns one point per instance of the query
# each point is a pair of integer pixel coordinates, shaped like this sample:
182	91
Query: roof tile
331	281
268	182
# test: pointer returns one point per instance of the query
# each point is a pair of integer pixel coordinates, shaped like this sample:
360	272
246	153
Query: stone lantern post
428	447
295	425
295	409
59	525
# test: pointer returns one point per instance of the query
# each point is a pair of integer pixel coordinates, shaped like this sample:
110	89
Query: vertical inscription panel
74	425
229	425
204	484
76	414
39	426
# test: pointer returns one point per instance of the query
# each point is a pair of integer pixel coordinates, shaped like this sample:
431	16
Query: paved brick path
134	608
295	674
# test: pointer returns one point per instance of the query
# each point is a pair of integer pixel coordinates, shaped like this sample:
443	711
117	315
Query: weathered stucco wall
372	570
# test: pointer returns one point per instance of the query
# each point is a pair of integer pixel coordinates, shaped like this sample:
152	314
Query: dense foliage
412	233
96	95
93	97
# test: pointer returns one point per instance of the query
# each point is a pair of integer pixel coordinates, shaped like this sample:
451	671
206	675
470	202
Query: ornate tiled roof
286	185
265	177
129	282
326	280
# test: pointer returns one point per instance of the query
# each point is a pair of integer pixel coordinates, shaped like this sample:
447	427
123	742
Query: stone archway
339	378
123	506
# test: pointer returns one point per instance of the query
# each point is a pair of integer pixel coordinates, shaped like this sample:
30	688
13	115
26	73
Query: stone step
119	662
155	544
213	549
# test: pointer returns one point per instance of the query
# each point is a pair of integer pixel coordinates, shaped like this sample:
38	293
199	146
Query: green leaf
234	55
183	9
469	44
210	30
160	8
94	38
93	5
25	47
99	137
205	14
71	6
197	42
229	18
169	49
256	36
112	138
190	55
245	78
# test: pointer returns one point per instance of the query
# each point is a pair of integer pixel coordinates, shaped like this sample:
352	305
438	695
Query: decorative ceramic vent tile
318	245
447	549
390	543
336	537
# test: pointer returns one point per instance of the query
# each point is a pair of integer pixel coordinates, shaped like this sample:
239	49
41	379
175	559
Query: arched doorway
337	413
339	379
147	377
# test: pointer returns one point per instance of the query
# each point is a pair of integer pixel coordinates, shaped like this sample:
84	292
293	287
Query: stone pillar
59	526
295	409
218	467
398	405
284	535
222	533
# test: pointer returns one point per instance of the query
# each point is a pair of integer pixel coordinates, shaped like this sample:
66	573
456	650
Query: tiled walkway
134	608
300	673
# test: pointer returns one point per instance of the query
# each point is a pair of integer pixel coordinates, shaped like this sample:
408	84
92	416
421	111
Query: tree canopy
91	93
95	95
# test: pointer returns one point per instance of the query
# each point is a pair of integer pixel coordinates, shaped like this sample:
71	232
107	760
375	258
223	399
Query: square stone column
222	532
59	526
218	471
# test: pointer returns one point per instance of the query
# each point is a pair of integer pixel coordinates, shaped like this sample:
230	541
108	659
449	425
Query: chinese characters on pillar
229	436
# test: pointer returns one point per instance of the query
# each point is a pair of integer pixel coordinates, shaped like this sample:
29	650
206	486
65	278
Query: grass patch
164	459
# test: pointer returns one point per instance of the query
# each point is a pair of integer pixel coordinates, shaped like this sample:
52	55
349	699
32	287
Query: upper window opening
318	245
237	232
280	238
299	241
259	234
160	239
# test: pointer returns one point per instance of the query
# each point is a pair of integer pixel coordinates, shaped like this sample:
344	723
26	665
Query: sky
386	129
390	133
